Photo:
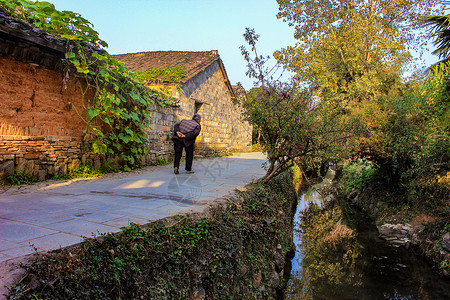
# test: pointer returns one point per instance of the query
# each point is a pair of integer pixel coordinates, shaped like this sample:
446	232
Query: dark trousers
178	146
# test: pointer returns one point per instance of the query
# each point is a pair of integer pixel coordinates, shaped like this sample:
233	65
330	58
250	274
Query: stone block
50	170
20	165
42	174
6	169
31	156
446	242
97	164
74	164
90	161
62	170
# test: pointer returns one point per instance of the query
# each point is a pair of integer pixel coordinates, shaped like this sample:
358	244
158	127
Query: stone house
41	132
204	89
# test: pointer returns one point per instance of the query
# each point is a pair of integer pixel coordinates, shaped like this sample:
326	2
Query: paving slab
51	215
15	231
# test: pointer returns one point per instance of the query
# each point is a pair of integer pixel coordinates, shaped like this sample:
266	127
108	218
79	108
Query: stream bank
339	255
426	233
236	249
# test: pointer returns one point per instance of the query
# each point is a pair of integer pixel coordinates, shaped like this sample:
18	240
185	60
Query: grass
162	162
82	171
21	178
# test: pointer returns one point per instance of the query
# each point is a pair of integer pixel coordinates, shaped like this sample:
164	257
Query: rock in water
446	242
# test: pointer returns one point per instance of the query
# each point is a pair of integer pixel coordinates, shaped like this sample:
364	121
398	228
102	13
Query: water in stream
378	271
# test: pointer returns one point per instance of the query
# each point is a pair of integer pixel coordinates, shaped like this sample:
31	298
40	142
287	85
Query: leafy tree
293	126
351	50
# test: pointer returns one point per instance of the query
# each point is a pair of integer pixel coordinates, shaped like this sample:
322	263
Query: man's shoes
190	172
175	170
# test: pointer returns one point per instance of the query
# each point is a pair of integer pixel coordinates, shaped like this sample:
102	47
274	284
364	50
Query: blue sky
130	26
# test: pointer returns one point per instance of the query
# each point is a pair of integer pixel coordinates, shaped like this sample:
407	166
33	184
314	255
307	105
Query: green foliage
84	171
21	178
446	228
440	26
162	162
356	175
407	136
67	24
164	74
59	177
166	77
117	114
292	125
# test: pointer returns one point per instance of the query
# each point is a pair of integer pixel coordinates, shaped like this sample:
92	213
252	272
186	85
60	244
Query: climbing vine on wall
117	109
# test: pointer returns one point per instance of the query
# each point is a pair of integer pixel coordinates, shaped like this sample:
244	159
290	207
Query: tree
351	50
293	126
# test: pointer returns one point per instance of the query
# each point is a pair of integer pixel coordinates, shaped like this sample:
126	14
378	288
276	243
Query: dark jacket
190	128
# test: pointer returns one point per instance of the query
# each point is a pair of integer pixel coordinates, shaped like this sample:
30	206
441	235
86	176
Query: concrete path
60	215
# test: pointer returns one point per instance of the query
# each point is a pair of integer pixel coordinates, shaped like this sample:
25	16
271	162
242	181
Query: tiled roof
20	29
194	62
14	27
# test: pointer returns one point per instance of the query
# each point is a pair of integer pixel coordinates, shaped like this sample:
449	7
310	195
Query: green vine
170	75
117	113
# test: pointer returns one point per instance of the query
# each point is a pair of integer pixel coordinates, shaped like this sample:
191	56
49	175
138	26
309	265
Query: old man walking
184	134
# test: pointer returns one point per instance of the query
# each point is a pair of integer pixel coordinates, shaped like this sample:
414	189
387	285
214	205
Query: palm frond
440	29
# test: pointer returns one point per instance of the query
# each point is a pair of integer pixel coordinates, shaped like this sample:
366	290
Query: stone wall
159	132
41	156
208	95
241	131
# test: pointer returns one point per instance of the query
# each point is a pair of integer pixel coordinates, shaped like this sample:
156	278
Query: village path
51	216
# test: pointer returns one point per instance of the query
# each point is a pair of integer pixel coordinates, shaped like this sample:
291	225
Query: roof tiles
194	62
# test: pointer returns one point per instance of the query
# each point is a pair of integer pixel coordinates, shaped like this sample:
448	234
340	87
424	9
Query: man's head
197	118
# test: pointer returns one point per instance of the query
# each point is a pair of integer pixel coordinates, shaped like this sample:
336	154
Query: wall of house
218	112
241	137
40	131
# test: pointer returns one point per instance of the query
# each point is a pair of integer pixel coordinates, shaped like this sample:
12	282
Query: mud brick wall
218	111
40	130
36	101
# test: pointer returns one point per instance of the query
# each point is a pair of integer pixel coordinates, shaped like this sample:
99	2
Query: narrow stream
378	272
